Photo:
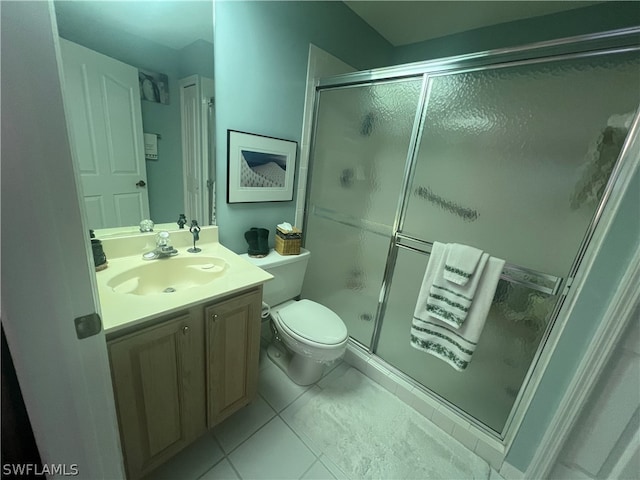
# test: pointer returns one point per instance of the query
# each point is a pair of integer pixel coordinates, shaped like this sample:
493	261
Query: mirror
169	44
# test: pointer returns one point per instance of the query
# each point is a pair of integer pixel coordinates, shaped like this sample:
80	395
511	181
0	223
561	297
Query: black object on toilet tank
258	240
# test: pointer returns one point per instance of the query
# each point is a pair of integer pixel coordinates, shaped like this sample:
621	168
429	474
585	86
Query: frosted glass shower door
514	161
359	155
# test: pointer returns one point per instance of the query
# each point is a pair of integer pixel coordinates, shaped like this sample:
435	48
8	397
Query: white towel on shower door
447	301
462	263
431	335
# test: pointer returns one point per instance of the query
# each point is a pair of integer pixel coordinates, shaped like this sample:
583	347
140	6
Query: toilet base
302	370
278	355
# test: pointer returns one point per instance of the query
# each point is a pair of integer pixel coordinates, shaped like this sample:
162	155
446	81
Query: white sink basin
168	275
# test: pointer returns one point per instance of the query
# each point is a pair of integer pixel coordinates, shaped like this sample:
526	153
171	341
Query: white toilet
312	334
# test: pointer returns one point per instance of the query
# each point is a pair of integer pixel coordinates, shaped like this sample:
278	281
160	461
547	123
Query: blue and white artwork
260	169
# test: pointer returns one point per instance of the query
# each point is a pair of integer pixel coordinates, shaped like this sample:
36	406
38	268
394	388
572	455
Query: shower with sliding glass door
512	152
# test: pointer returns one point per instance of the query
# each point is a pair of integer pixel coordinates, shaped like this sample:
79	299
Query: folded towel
448	301
151	146
461	264
453	345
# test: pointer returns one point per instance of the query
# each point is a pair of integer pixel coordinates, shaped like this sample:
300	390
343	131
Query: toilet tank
288	273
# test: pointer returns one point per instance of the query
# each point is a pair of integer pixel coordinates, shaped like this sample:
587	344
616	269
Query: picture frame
154	86
259	168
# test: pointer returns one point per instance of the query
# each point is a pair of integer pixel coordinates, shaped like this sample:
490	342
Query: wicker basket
288	243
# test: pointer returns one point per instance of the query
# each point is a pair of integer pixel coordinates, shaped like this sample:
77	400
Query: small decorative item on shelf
99	257
195	231
288	239
146	226
182	221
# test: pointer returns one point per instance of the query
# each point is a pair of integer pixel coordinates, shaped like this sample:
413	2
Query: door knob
141	183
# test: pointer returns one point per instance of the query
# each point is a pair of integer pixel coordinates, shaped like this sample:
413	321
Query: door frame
618	315
47	278
197	128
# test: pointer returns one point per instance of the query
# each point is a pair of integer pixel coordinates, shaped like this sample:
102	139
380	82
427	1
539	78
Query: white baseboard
509	472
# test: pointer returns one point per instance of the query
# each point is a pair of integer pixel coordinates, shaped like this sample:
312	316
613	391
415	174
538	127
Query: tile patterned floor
258	442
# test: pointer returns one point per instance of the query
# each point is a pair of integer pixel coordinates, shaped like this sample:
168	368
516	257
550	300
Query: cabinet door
233	349
158	377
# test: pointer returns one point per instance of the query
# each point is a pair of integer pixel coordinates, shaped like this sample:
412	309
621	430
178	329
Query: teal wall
164	176
596	18
196	59
261	59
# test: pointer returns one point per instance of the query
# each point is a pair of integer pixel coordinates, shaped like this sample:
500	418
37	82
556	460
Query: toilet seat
312	323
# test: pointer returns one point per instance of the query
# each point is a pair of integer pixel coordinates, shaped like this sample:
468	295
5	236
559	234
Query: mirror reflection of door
173	42
102	98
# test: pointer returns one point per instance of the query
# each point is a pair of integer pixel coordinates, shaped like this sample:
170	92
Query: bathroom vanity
182	358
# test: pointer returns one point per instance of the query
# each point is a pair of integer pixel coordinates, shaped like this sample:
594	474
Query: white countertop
121	310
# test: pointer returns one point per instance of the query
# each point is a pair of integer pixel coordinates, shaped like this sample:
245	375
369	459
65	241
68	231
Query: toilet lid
314	322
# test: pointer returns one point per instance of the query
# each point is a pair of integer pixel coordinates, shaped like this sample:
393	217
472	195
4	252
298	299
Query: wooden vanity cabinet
233	349
174	379
157	375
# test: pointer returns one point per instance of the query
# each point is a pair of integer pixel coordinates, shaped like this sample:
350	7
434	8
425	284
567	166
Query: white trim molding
509	472
320	64
616	318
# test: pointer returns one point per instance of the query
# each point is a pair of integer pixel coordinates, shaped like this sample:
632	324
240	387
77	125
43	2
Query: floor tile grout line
317	458
334	464
279	414
275	414
299	437
234	468
307	387
224	457
303	442
310	467
288	404
227	455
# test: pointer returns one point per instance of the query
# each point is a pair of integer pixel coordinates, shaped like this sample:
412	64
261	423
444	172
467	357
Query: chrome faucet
163	248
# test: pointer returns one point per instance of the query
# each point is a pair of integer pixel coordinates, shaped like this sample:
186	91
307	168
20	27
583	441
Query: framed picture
260	168
154	87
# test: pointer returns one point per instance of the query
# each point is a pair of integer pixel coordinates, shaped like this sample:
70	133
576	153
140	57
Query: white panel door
195	94
103	103
47	279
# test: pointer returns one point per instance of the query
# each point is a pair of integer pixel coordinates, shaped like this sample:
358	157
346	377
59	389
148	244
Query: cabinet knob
215	318
185	330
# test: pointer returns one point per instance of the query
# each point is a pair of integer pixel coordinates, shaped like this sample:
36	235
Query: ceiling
173	23
402	22
177	23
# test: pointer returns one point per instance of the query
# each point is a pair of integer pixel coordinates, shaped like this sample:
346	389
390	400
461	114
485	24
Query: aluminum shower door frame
605	43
